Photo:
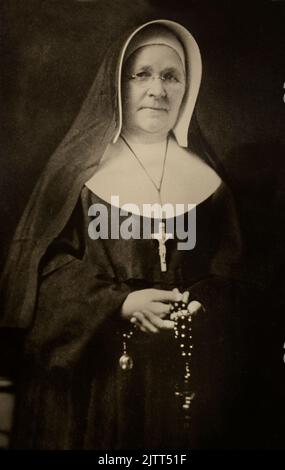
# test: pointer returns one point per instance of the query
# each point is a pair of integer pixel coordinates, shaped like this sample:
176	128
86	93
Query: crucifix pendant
162	238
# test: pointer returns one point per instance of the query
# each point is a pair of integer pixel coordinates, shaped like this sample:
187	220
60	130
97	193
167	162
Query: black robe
72	393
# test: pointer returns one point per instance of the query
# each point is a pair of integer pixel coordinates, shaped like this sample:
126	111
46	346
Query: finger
179	295
160	295
159	308
154	319
176	291
194	307
137	324
158	322
185	297
145	322
168	324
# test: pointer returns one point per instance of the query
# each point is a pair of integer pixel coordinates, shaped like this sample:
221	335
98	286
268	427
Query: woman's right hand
148	307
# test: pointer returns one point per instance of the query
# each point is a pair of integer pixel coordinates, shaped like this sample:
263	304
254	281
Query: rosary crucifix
161	236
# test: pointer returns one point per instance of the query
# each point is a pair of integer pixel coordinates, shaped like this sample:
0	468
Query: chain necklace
157	187
161	236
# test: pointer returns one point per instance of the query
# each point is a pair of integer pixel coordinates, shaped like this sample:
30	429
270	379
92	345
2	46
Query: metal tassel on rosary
126	362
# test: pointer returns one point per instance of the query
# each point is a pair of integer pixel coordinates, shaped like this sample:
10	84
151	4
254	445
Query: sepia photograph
142	257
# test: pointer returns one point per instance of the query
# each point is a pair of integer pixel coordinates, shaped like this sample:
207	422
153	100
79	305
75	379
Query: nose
156	88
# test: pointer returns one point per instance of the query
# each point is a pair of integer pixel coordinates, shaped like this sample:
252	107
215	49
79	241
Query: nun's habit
65	291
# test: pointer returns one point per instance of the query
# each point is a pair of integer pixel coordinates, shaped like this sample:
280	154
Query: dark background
50	53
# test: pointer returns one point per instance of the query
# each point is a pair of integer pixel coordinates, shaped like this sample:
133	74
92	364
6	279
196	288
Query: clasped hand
147	308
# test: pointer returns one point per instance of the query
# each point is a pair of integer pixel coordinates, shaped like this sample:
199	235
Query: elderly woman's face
152	92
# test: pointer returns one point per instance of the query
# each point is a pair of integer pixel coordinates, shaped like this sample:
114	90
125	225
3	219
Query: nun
121	273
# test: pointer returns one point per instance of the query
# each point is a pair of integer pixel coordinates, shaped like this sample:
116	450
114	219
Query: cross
162	238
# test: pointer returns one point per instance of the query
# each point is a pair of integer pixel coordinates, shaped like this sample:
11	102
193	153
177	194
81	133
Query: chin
155	130
154	127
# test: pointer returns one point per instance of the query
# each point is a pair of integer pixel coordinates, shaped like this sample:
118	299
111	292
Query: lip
153	108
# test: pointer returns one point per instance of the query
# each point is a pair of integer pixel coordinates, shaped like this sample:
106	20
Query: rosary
182	318
183	334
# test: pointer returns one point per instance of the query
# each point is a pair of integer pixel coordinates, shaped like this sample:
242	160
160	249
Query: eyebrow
174	70
165	70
